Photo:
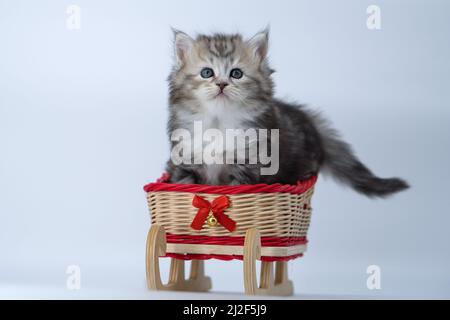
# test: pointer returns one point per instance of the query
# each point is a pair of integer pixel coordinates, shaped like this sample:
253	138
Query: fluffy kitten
225	82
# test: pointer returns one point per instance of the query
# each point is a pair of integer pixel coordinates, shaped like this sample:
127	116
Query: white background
82	129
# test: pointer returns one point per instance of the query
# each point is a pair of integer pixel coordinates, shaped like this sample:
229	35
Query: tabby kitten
224	82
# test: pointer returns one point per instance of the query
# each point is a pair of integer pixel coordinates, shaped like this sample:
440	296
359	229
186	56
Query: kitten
225	82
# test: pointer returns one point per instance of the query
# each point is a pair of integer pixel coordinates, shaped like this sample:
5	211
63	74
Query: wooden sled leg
156	247
269	285
252	251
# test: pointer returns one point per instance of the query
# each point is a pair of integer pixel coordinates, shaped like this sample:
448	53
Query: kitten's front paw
185	180
234	182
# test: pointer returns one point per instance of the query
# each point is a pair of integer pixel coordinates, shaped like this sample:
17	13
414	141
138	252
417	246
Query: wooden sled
269	284
269	223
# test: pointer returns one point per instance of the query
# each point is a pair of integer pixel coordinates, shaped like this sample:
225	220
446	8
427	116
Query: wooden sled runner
253	222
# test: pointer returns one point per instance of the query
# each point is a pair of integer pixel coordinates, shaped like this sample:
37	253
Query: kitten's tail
342	163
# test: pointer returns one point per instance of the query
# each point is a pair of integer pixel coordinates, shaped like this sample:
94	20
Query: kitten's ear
183	44
259	43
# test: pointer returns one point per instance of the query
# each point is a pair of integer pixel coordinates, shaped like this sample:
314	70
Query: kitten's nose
222	85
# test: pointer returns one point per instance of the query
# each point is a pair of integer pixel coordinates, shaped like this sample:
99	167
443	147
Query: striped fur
307	143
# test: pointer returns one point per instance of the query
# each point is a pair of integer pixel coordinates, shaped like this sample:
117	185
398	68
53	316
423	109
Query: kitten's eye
236	73
207	73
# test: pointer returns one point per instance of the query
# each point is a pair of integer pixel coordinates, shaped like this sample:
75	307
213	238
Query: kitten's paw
185	180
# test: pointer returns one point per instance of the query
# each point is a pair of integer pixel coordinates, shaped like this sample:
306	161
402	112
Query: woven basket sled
245	222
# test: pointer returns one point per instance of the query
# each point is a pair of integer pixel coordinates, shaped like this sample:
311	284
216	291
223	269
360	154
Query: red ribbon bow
217	207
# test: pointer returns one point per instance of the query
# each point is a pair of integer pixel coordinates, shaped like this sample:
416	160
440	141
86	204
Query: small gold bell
212	221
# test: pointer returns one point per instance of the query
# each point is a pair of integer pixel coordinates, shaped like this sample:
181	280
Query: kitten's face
221	69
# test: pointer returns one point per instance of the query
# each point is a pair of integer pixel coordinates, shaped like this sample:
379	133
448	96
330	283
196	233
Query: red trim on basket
191	256
235	241
163	185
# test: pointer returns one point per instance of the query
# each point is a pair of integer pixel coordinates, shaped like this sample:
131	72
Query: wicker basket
281	213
